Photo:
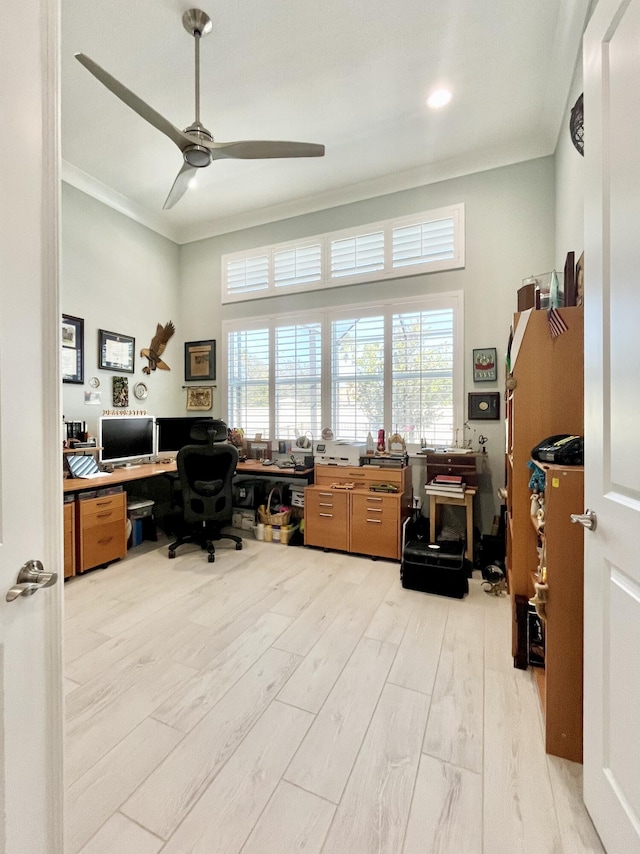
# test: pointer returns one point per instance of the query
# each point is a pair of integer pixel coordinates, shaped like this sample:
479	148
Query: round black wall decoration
576	125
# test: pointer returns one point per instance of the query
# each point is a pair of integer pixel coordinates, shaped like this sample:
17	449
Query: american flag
556	324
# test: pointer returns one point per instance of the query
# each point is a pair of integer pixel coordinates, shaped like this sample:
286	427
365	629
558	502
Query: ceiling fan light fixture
197	156
439	98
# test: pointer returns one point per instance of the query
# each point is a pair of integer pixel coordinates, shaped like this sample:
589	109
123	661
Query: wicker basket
265	515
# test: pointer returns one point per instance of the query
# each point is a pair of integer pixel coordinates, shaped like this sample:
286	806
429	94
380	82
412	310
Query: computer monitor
126	438
175	433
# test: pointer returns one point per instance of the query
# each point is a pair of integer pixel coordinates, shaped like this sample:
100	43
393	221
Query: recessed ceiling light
193	183
439	98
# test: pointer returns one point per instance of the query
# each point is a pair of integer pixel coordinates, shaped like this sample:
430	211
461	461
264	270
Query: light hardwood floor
289	700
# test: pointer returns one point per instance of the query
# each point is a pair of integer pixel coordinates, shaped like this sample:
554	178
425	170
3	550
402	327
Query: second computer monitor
175	433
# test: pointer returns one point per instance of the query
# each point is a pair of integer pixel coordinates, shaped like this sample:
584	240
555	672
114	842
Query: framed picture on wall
116	352
199	398
200	360
72	349
485	365
484	407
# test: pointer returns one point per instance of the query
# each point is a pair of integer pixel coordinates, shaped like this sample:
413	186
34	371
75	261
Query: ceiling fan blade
180	185
255	149
137	104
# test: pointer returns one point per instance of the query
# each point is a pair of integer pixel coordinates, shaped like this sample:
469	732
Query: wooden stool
460	500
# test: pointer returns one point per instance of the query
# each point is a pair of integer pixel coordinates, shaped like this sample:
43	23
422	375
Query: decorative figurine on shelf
482	441
381	442
397	444
370	446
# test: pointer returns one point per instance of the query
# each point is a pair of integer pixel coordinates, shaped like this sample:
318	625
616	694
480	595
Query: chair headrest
209	430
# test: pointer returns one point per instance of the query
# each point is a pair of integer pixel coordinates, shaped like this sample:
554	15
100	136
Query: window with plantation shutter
357	375
248	363
298	265
397	365
421	243
422	388
248	275
297	380
362	253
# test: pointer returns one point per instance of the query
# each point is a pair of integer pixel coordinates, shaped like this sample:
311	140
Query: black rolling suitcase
438	568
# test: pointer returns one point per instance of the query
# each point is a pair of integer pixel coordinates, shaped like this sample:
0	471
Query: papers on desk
92	474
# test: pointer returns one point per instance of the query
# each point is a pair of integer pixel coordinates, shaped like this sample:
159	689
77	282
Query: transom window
425	242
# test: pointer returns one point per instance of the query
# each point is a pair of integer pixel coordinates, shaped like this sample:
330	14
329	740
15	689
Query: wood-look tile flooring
289	700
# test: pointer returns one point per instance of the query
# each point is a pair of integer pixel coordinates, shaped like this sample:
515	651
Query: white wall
510	229
119	276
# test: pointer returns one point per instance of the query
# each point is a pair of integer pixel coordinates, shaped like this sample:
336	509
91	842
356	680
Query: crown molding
407	180
97	190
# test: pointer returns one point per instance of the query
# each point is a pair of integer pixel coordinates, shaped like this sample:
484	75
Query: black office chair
206	470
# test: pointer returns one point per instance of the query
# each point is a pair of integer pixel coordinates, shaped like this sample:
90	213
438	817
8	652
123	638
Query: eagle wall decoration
157	348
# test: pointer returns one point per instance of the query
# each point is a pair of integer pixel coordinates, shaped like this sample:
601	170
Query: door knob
587	519
32	577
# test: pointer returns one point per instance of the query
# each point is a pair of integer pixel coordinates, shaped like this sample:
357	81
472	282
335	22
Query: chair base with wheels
205	536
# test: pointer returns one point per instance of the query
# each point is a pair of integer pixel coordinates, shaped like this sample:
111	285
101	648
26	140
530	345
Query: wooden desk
120	475
274	472
461	500
99	524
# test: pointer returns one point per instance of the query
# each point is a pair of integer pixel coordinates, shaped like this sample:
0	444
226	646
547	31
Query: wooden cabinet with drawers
69	539
101	530
326	518
357	519
464	465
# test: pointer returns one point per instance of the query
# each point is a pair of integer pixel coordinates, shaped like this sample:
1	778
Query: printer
336	452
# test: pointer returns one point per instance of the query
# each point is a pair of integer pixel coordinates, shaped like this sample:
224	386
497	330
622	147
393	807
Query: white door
30	466
612	424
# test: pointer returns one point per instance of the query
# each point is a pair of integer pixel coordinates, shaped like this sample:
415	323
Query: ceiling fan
195	142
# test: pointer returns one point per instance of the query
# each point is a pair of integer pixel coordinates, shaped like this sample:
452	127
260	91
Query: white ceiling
352	74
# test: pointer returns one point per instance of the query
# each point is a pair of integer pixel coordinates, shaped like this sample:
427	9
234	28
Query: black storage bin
438	568
249	493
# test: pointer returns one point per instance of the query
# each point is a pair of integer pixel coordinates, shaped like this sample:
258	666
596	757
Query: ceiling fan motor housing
198	155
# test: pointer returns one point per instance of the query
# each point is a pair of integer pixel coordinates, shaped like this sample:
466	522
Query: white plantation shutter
426	242
298	373
423	242
248	275
396	365
357	376
352	256
248	400
298	265
422	375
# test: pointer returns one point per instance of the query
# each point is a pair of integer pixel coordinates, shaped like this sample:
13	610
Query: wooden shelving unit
547	399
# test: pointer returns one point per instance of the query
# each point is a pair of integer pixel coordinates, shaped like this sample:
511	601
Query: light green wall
119	276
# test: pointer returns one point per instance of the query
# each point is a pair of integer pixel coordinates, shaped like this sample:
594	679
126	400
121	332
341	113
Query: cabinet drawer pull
376	521
105	541
100	503
374	510
325	504
326	494
107	513
371	498
328	515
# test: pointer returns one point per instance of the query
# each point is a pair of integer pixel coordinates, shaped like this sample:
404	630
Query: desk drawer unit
375	524
69	540
463	465
326	518
101	530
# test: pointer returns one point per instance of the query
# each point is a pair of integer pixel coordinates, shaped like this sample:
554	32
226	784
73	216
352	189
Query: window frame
456	212
453	299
